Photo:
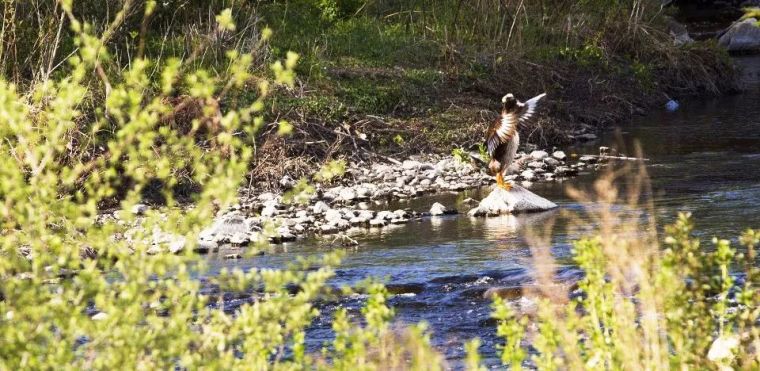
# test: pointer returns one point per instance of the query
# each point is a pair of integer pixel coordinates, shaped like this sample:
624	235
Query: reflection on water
704	158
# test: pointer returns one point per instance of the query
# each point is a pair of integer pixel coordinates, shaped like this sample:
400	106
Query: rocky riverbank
353	203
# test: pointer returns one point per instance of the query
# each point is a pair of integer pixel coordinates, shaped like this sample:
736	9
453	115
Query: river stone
268	211
378	222
358	220
267	196
321	207
347	194
333	215
536	165
742	36
411	165
559	155
516	200
539	155
528	175
551	162
328	229
437	209
385	215
226	227
286	182
139	209
363	192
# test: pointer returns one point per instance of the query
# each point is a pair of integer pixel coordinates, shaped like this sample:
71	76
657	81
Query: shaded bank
386	78
427	76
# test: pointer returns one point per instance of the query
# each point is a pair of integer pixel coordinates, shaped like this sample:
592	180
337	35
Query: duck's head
508	102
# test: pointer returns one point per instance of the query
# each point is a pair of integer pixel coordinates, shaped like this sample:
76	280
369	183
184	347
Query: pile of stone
267	217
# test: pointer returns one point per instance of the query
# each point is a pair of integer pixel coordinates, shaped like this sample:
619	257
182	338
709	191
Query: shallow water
704	158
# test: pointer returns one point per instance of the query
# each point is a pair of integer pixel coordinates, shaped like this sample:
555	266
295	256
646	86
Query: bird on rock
502	137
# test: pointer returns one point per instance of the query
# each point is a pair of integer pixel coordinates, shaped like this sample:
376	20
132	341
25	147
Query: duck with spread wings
502	138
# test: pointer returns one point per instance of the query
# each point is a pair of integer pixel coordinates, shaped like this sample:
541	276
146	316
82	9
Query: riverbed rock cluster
355	201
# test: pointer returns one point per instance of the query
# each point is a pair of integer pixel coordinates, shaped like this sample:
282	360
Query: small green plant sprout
398	139
331	170
483	151
461	155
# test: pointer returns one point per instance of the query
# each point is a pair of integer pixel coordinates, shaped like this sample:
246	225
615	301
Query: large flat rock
516	200
742	36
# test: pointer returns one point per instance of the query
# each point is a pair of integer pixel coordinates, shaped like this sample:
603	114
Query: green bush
640	305
82	290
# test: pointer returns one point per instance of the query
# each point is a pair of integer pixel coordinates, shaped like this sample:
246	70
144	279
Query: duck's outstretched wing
528	108
503	129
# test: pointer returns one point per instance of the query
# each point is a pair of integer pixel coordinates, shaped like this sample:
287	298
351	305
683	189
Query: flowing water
703	158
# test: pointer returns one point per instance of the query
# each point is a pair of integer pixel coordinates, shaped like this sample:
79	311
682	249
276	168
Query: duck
503	137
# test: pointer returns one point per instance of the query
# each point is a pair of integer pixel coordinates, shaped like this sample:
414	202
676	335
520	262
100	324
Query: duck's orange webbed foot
501	183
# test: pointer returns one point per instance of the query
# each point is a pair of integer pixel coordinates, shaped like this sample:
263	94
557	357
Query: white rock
722	349
366	214
378	222
226	226
139	209
99	316
333	215
537	164
528	175
320	207
551	162
411	165
559	155
539	155
385	215
357	220
268	211
287	182
437	209
347	194
518	199
267	196
328	228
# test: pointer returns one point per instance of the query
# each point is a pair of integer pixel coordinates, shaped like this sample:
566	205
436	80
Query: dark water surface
704	158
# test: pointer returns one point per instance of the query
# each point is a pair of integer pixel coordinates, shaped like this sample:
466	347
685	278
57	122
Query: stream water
703	158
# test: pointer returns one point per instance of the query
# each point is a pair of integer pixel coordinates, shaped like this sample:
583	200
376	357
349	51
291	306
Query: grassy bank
427	75
389	77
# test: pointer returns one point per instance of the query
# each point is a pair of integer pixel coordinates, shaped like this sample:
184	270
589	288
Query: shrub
80	289
640	307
